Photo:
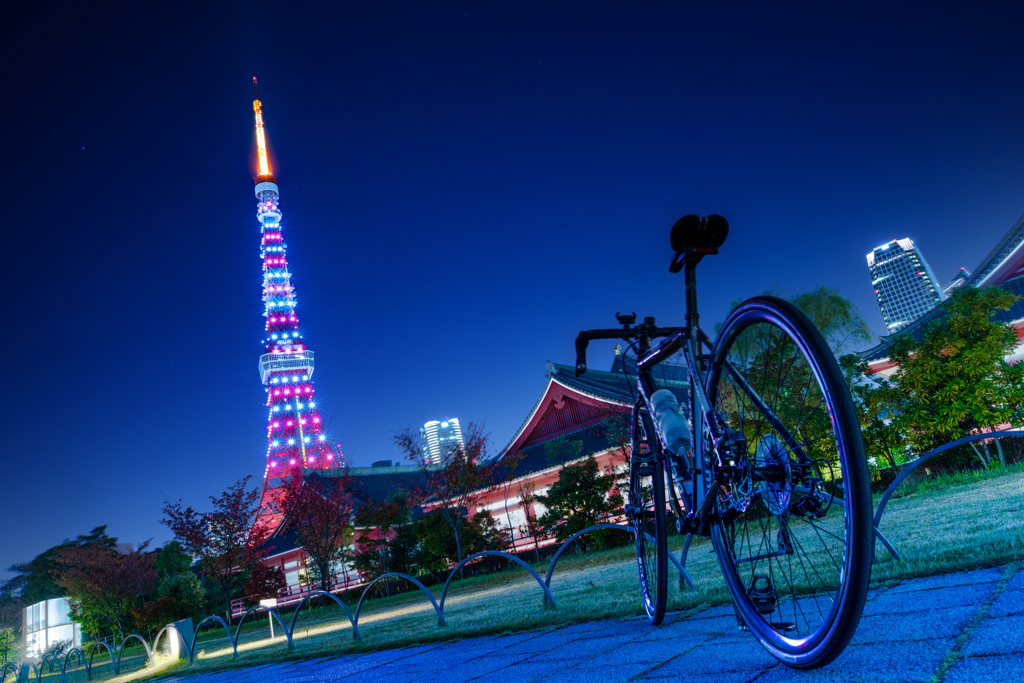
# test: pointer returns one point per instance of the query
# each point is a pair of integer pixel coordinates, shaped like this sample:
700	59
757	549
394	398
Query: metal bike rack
683	574
14	668
917	463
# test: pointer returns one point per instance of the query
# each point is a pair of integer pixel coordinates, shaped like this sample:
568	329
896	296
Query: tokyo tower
295	436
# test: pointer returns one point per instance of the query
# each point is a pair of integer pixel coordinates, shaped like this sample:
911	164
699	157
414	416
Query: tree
436	549
171	560
104	586
882	437
320	512
956	381
10	629
455	485
836	318
532	527
581	497
35	581
379	523
263	581
223	539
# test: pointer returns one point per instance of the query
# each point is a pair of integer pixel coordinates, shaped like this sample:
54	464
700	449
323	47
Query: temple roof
371	484
571	405
1003	260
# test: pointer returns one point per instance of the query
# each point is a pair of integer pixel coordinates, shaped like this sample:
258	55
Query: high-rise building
905	286
295	435
441	440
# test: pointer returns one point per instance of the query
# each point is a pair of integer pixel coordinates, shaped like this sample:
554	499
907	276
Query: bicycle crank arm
705	507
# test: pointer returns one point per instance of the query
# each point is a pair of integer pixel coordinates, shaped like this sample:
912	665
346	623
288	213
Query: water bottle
674	430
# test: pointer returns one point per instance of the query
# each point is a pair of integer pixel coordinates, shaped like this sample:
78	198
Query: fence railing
61	664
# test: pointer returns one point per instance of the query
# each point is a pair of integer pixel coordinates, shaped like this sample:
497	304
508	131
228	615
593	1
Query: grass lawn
946	524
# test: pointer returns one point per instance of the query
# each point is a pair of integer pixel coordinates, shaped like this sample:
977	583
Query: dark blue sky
465	186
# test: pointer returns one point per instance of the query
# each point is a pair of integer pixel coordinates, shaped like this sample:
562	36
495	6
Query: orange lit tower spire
295	435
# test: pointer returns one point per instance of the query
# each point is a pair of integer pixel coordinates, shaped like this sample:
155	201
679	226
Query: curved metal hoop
273	613
498	553
920	461
81	655
192	646
554	560
177	634
92	653
10	668
332	596
430	596
53	659
145	645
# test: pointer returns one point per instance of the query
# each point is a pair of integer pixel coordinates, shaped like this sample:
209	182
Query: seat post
692	317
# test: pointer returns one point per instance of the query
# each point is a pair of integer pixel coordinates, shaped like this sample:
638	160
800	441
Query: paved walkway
959	628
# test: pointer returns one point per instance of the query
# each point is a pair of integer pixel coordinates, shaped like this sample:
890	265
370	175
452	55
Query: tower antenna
254	88
261	139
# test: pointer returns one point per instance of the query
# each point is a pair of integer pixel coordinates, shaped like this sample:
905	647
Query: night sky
465	186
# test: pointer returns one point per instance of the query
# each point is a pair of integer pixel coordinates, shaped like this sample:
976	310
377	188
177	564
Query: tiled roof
1010	242
547	454
916	328
374	484
277	545
612	386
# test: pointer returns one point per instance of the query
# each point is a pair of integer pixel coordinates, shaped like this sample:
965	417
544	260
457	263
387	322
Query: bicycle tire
796	558
647	499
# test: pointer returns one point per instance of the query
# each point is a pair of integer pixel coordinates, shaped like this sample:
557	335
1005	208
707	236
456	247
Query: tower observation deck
295	435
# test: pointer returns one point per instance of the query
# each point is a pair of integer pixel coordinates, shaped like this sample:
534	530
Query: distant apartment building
904	284
441	439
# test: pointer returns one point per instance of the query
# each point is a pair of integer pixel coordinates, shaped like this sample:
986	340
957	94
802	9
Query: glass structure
904	284
48	623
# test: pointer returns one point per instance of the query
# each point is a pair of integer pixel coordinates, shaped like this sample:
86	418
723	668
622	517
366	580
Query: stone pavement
956	628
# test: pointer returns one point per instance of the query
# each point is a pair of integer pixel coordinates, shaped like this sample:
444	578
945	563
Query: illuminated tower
295	436
904	283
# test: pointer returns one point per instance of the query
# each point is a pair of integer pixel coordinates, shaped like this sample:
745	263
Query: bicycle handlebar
583	339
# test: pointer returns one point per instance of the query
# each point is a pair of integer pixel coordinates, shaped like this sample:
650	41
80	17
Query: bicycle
763	455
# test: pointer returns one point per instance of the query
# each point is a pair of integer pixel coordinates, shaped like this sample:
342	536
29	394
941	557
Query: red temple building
574	418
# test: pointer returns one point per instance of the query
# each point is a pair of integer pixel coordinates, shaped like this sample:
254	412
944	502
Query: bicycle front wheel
792	529
646	510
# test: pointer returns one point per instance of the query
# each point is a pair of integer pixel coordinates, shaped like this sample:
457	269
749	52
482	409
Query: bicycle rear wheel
646	511
792	530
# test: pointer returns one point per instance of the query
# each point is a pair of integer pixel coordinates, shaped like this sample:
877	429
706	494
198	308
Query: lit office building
441	440
904	283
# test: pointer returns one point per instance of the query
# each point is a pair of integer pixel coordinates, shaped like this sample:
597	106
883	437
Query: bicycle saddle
695	237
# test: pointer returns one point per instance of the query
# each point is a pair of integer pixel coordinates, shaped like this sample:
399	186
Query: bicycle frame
704	431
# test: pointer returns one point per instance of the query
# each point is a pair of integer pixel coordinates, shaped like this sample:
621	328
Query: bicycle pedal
762	594
783	626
